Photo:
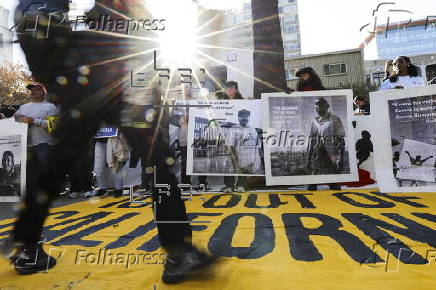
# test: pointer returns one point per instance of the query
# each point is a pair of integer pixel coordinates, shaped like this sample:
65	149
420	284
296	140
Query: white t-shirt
247	144
38	132
403	81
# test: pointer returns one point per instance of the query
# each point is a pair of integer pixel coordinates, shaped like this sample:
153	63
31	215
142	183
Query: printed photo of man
245	146
327	141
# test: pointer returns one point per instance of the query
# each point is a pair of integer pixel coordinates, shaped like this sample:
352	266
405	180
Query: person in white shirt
35	113
405	75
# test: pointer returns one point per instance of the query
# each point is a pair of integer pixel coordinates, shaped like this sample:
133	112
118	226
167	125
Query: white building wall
240	69
5	37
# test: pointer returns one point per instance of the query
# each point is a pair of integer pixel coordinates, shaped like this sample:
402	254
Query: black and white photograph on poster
13	144
225	138
308	137
406	139
363	137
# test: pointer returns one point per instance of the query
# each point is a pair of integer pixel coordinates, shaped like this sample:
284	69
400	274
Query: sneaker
227	189
312	187
95	192
183	264
27	259
201	188
241	189
334	186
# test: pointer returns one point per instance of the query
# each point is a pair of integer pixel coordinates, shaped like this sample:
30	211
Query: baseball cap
37	85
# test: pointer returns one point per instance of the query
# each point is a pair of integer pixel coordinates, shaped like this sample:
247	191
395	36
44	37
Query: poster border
11	129
311	179
190	157
383	136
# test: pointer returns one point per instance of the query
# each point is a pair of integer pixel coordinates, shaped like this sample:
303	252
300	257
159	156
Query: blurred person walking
88	72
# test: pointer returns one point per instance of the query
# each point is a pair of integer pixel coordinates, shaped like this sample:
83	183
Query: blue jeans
38	154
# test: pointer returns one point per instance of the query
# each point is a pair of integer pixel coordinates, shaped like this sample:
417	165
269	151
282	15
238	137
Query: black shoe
116	192
100	192
185	263
312	187
28	259
334	186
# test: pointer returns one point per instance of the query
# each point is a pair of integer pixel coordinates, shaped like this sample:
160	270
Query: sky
325	25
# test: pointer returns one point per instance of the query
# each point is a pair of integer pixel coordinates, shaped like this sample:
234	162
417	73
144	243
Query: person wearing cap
245	149
232	91
326	143
308	80
405	75
36	113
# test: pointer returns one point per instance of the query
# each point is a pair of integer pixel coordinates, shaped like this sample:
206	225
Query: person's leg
229	182
202	183
241	183
202	179
335	186
83	107
168	208
184	178
85	167
99	166
42	151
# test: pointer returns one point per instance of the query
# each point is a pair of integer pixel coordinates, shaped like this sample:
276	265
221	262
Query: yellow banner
279	240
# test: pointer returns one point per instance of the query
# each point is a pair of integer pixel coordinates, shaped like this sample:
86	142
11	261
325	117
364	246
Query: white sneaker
227	189
241	189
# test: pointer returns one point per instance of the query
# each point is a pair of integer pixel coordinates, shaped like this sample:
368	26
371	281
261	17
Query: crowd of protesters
88	175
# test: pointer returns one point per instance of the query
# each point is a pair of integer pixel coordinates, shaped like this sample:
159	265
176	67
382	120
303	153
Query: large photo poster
406	139
13	146
308	138
225	138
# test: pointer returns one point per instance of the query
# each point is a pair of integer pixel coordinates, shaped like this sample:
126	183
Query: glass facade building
416	38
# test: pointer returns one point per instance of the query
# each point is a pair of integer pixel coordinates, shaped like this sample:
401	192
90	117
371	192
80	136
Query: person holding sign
36	114
310	81
405	75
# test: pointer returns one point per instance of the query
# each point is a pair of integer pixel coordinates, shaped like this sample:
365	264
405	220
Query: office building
240	34
404	38
5	37
336	69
